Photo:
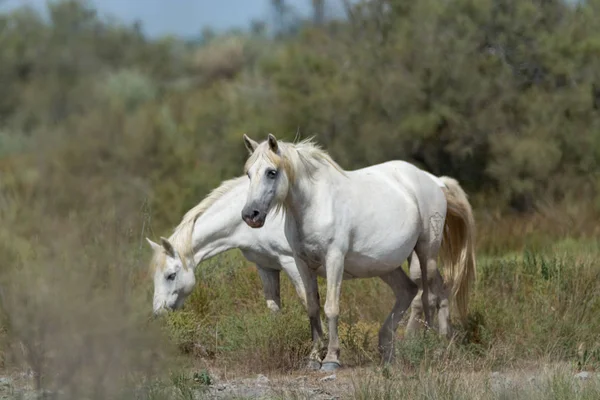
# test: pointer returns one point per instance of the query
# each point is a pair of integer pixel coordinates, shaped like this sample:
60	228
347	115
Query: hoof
330	366
313	365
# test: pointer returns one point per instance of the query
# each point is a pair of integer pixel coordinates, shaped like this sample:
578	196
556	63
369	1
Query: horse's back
424	188
404	173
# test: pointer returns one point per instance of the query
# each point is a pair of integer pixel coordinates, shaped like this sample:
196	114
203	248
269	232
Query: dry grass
543	382
499	233
73	310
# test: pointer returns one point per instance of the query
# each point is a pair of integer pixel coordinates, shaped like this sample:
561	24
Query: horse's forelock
279	161
159	257
296	159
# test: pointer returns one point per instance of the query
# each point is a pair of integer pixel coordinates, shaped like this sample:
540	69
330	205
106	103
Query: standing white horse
214	226
361	224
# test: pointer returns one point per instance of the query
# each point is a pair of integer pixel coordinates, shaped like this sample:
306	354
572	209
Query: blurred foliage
503	96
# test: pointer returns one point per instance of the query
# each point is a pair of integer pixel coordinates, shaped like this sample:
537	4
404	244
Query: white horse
214	226
361	224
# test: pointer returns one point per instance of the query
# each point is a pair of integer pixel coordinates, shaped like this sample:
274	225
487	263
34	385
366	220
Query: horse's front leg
334	266
313	307
271	287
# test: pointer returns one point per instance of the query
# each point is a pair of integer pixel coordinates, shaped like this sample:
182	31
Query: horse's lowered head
174	280
268	171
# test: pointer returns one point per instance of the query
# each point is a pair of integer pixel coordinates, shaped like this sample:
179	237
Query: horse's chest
313	240
311	250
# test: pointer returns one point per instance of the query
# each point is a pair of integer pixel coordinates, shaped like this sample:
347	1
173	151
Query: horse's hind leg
427	250
416	307
438	299
405	291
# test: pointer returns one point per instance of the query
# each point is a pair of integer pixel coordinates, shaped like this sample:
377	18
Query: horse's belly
366	265
262	259
381	244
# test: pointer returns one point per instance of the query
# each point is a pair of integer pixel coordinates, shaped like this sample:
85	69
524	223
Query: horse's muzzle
253	218
160	311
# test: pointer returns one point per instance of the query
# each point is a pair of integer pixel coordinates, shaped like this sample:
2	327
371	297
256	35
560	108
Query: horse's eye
171	277
272	173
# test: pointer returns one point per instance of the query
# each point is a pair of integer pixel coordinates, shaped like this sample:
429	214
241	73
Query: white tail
458	245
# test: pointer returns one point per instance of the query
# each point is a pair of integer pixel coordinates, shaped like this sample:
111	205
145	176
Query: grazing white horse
214	226
362	223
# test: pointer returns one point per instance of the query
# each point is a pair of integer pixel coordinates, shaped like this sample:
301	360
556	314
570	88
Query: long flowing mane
296	159
181	238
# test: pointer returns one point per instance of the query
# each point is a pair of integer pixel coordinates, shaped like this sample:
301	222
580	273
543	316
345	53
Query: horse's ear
273	143
168	247
155	246
251	145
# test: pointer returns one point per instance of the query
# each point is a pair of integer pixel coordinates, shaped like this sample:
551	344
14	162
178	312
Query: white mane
296	159
181	239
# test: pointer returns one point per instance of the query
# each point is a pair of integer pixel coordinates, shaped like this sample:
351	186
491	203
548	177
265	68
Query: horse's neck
217	229
306	194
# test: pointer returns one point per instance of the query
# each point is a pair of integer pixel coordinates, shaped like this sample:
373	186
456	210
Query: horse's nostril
251	216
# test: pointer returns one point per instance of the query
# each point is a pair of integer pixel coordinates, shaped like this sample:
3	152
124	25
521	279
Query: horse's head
173	279
268	171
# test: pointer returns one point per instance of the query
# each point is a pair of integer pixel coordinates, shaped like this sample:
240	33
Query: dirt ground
310	385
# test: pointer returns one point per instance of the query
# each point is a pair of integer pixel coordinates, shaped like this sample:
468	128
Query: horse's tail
458	244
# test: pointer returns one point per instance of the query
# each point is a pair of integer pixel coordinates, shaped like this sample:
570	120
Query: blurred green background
108	136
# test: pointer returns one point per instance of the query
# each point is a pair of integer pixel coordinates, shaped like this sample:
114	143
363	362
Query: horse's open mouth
254	223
